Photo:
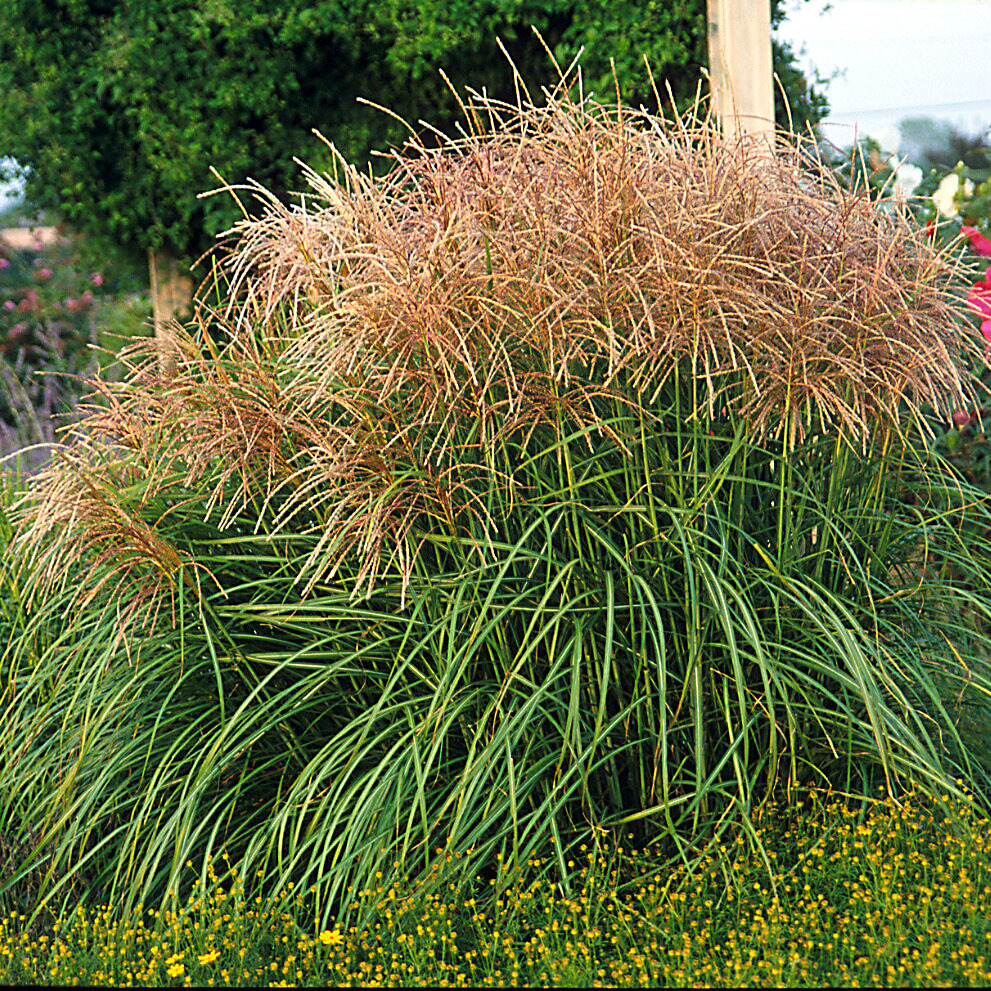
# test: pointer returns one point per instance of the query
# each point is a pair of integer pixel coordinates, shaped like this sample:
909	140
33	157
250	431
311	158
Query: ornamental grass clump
571	478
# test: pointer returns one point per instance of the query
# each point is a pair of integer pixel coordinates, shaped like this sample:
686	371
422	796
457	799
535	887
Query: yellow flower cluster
898	893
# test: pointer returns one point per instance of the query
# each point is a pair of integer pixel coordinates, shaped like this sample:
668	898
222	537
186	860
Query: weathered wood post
171	292
741	77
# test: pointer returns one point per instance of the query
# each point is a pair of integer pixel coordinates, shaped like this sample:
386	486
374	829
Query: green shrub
570	479
64	309
955	204
117	114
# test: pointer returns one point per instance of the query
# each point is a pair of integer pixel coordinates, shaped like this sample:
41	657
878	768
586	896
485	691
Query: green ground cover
885	893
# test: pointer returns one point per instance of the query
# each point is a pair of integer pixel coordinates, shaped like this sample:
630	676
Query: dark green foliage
119	110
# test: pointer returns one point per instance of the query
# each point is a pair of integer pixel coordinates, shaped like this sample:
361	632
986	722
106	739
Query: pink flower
43	273
961	419
4	263
96	278
978	241
979	298
10	305
88	296
29	302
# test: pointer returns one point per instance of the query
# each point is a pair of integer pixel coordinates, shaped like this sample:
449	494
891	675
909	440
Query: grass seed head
385	337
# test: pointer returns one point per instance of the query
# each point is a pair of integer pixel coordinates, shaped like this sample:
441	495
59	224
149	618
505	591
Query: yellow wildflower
331	937
208	957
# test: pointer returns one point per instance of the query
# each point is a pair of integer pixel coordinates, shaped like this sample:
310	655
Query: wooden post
740	75
171	293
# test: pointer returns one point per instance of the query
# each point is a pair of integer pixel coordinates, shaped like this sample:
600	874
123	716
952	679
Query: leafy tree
118	109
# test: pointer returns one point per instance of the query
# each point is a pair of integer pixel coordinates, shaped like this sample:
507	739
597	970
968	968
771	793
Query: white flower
907	177
945	195
949	189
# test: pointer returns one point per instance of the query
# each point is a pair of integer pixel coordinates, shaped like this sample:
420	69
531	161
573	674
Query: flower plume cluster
386	337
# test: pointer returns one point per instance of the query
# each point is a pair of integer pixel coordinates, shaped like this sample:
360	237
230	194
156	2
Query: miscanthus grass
894	893
570	479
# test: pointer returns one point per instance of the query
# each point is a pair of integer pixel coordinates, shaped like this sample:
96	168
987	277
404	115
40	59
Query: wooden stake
740	73
171	292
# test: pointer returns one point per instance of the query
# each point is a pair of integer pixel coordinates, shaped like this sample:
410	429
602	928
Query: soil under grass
893	893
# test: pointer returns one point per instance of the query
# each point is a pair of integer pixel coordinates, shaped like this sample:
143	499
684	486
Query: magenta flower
961	419
43	274
979	298
29	302
96	278
10	305
978	241
15	335
4	263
